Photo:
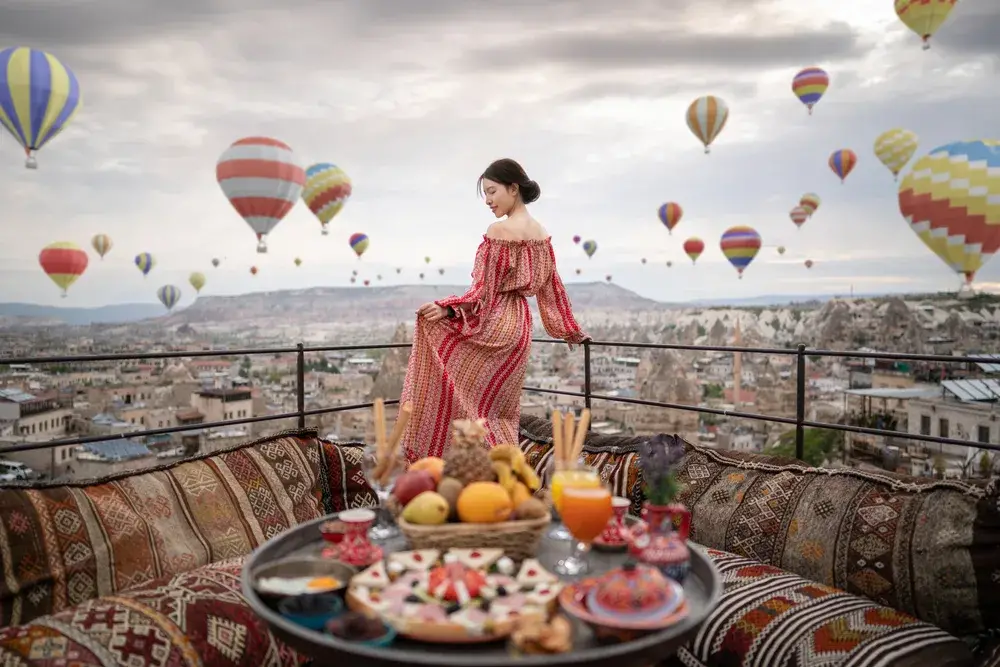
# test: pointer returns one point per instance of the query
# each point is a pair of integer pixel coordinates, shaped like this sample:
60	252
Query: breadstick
379	410
557	437
581	434
402	419
568	425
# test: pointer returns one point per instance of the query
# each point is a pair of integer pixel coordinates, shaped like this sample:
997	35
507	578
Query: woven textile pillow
196	618
61	545
343	479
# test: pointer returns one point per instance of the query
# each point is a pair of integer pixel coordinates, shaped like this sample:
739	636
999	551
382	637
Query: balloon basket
325	232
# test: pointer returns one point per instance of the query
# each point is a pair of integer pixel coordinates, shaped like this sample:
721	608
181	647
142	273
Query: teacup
355	548
612	534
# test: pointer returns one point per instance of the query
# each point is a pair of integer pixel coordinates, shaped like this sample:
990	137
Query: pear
427	509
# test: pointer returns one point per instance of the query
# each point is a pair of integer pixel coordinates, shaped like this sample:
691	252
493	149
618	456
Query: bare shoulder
526	229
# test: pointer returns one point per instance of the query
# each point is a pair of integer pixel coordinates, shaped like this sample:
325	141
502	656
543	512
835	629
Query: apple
411	484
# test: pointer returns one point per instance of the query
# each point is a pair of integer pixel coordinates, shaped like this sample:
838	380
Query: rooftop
16	396
918	391
973	390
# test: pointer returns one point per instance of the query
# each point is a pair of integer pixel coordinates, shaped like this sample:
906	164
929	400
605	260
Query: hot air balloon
366	282
101	243
38	98
215	262
809	263
670	214
169	296
842	162
63	263
810	201
427	260
421	277
669	264
798	215
740	245
262	181
297	261
253	270
643	260
197	281
694	246
951	199
145	262
353	280
576	240
579	271
441	272
781	250
399	270
809	86
590	247
359	243
354	272
924	17
378	277
894	148
608	277
706	117
327	189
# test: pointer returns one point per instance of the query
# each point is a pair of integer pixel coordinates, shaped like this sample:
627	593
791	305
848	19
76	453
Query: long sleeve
469	306
557	311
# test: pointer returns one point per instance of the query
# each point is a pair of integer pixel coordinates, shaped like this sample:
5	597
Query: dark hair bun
530	191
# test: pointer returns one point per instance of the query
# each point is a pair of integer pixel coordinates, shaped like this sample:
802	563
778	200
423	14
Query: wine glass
576	473
585	511
384	527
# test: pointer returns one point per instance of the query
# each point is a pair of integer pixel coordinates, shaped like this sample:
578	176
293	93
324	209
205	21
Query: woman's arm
557	311
463	311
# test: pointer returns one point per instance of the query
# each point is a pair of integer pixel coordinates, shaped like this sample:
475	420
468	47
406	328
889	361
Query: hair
508	172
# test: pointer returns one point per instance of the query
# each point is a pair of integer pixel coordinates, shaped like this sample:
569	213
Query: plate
573	600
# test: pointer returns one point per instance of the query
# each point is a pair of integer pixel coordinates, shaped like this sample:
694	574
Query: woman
470	352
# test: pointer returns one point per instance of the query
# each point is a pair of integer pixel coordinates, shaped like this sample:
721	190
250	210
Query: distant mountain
30	313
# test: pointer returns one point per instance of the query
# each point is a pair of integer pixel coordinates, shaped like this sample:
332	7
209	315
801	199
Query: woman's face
500	198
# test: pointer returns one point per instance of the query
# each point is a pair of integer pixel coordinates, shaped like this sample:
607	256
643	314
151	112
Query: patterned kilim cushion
344	483
769	617
63	545
197	618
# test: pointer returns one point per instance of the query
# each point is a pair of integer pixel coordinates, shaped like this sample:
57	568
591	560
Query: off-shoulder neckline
546	240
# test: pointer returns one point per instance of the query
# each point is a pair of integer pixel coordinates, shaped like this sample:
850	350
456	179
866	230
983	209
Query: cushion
344	485
768	617
63	544
196	618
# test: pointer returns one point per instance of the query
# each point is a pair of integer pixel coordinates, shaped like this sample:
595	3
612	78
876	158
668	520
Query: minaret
737	367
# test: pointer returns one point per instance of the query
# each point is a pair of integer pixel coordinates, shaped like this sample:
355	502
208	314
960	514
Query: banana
506	453
505	476
513	457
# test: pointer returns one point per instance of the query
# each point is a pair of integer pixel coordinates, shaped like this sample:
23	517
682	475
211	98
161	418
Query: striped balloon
740	245
197	280
706	117
169	296
63	263
38	98
894	148
326	190
262	180
670	214
924	17
809	86
359	243
842	162
145	262
810	201
590	247
798	215
694	246
101	243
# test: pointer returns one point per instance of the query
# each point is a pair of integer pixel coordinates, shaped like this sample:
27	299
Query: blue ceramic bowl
312	611
384	640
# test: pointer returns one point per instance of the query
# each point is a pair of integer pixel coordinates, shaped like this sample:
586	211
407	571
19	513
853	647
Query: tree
712	391
985	465
819	445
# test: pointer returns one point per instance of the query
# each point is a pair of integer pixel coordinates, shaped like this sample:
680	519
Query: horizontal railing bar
127	356
345	408
356	348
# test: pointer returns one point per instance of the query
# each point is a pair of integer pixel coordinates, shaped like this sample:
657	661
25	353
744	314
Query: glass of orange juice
575	473
585	511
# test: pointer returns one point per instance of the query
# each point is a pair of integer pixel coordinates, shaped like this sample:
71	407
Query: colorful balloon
421	277
740	245
590	247
169	296
781	250
810	201
366	282
809	263
197	281
809	86
441	272
359	243
378	277
798	215
894	148
145	262
608	277
579	271
576	240
399	270
262	180
670	214
842	162
643	260
101	243
354	280
215	262
669	264
327	189
693	247
354	272
951	200
298	261
427	260
38	98
706	117
924	17
63	263
253	270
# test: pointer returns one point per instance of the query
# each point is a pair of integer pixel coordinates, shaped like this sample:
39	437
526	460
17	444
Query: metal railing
800	352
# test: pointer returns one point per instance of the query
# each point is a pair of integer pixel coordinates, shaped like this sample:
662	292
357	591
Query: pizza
463	595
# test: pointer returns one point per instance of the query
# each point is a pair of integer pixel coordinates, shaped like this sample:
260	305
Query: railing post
800	402
586	374
300	385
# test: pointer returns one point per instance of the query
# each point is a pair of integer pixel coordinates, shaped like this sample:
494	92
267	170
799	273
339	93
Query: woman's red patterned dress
472	366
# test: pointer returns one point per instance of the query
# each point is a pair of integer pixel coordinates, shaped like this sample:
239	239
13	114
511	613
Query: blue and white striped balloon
169	296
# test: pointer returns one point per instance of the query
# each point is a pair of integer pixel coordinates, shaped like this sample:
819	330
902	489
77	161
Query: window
984	434
943	428
925	424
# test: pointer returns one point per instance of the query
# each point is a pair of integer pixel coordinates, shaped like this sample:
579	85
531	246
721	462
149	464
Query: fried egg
297	585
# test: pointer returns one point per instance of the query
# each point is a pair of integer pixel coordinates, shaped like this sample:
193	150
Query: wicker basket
518	539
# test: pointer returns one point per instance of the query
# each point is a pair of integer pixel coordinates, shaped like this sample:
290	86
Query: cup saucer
353	558
617	545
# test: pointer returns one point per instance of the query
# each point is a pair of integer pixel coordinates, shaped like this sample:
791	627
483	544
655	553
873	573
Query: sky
414	99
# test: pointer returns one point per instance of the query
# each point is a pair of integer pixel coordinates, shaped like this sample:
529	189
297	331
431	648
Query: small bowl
312	611
294	568
378	642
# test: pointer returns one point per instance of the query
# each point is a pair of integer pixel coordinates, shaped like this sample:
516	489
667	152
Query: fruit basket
519	539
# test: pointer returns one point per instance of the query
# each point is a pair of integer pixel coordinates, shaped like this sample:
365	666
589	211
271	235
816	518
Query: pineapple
467	459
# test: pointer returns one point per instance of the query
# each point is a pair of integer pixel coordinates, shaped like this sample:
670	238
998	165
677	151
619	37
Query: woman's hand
432	312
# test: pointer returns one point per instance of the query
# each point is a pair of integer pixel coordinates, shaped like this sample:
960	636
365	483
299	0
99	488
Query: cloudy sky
414	99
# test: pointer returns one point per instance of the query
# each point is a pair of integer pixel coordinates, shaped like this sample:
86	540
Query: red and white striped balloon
262	180
798	215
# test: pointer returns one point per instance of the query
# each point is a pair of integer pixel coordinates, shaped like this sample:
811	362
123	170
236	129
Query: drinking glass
575	473
585	510
385	528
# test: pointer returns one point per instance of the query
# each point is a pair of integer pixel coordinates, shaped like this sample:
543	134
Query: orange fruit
431	464
484	502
